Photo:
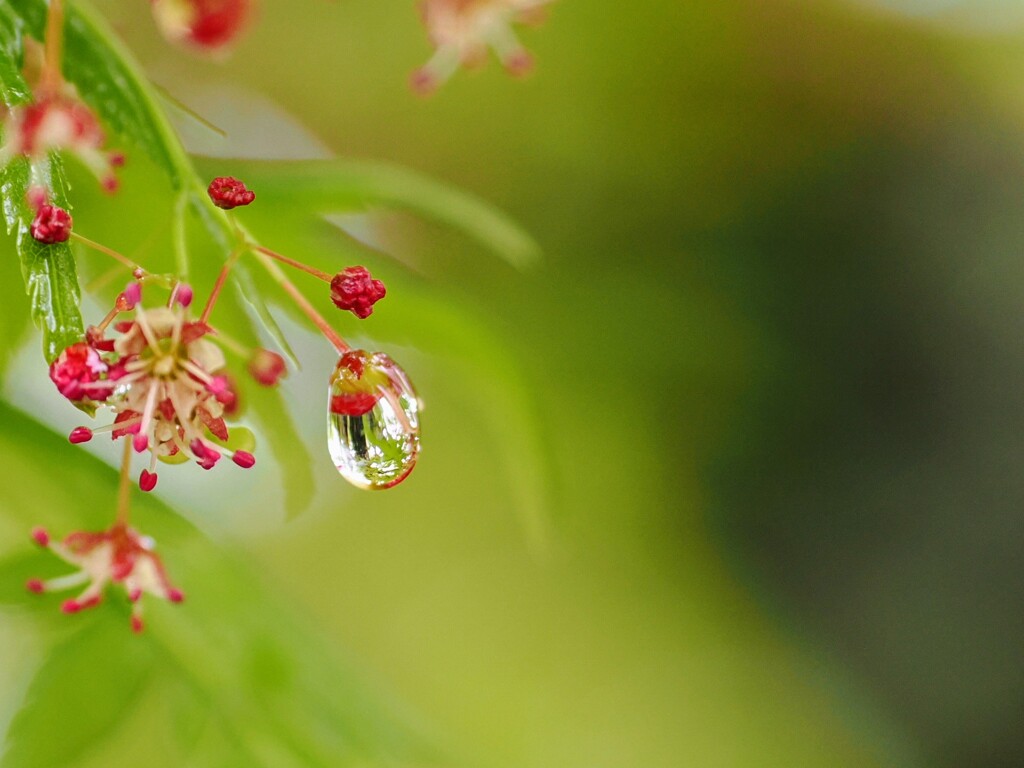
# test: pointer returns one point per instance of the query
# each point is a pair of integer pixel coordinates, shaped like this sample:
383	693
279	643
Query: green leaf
79	697
331	186
49	271
276	692
13	89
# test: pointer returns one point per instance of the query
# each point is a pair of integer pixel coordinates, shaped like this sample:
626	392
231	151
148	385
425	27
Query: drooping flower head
462	31
208	25
60	122
119	555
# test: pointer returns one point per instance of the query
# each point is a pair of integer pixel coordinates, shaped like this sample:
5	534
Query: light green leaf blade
277	693
13	89
331	186
80	696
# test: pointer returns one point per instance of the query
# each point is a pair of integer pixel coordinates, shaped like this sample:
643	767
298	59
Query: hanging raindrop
373	429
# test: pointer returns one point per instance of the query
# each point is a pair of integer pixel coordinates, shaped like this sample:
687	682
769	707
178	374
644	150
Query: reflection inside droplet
373	420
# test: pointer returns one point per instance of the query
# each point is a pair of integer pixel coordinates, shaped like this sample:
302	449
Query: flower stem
51	77
315	317
124	487
103	249
180	235
219	285
292	263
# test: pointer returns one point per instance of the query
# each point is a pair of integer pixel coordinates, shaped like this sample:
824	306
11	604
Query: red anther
518	63
71	606
423	82
227	192
244	459
206	457
267	367
147	480
183	294
175	595
80	435
137	625
140	442
117	159
51	224
217	385
135	595
41	537
354	289
35	585
132	295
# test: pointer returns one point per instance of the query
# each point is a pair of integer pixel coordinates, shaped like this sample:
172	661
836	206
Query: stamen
147	481
244	459
141	440
61	582
80	435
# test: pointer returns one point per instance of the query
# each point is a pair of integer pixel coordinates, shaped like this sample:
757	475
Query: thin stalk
180	236
219	285
51	77
292	263
124	487
103	249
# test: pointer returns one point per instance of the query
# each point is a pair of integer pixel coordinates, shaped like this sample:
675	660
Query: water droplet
373	429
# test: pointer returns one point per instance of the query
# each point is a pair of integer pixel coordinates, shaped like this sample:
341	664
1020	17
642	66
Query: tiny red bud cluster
52	224
227	192
354	289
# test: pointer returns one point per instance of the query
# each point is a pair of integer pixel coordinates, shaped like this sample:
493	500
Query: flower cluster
162	377
462	31
119	555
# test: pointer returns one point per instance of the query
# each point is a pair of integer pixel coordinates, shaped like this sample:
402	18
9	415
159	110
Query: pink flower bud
267	367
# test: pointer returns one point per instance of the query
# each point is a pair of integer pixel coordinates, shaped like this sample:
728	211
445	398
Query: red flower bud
227	192
356	290
52	224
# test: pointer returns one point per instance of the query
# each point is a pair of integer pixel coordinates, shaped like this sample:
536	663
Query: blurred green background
769	371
